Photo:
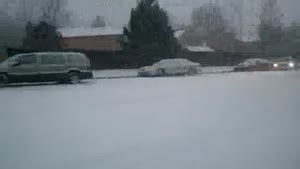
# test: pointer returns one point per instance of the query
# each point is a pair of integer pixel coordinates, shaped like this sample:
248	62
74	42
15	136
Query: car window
52	59
27	59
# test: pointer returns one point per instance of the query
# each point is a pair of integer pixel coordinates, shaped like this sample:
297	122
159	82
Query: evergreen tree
41	37
149	32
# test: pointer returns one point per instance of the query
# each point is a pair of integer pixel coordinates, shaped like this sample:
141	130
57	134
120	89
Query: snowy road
226	121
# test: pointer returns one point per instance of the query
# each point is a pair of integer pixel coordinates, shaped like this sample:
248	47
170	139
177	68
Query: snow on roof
179	33
86	31
202	48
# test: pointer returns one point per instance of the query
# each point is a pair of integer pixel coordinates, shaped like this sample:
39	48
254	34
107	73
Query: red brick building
91	39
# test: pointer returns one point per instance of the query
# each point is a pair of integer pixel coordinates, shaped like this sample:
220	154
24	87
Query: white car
286	63
255	64
171	67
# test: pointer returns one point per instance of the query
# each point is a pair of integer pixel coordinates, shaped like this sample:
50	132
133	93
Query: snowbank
117	73
217	69
129	73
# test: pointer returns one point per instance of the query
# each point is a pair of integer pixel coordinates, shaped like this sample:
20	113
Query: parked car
255	64
285	63
62	67
171	67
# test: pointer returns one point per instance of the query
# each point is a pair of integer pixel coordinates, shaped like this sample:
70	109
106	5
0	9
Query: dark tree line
41	37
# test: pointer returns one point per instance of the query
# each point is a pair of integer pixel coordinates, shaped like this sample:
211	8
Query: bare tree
209	26
27	10
270	28
209	17
98	22
11	32
54	12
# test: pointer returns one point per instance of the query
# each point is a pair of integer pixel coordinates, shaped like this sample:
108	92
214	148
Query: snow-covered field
117	73
219	121
129	73
217	69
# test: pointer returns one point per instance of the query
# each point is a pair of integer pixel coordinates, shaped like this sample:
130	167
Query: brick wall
93	43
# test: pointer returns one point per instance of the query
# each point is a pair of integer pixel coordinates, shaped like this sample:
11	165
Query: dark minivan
63	67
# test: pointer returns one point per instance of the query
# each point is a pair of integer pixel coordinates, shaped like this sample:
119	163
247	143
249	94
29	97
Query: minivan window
53	59
27	59
74	59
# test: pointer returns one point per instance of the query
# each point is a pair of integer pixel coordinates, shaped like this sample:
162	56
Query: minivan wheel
74	78
3	79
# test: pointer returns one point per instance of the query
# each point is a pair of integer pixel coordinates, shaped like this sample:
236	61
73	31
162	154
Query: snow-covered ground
128	73
219	121
117	73
217	69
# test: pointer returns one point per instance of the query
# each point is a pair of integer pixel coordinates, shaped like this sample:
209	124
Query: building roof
86	31
203	48
178	33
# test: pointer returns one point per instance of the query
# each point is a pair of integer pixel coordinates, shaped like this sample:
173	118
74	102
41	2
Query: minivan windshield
4	62
8	61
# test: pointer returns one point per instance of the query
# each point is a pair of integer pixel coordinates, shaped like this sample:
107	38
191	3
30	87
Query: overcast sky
116	12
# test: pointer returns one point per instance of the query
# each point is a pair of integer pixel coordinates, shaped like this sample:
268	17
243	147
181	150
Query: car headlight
291	65
275	65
